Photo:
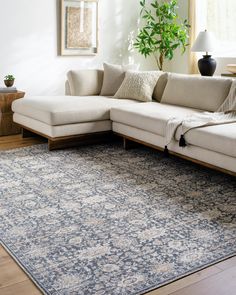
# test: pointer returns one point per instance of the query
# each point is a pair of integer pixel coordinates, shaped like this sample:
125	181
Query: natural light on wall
218	17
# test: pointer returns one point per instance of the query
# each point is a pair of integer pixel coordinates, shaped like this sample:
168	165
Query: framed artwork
79	27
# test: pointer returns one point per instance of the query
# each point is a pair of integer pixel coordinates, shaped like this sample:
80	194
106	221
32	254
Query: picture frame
79	27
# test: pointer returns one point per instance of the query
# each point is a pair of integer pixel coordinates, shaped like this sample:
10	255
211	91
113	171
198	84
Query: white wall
29	32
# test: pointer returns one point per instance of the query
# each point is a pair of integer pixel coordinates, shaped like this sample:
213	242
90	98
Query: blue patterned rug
102	220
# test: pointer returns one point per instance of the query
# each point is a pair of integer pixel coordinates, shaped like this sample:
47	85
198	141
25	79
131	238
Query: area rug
102	220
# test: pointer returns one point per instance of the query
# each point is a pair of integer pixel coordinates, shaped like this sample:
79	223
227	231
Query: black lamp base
207	65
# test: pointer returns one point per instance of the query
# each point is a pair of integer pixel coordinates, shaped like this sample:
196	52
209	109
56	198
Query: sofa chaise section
67	120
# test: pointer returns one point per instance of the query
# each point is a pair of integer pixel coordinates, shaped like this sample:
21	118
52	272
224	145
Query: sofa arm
85	82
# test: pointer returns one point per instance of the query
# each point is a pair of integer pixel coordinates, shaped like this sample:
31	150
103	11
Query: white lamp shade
205	42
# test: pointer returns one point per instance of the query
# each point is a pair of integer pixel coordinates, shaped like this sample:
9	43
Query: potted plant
9	80
163	31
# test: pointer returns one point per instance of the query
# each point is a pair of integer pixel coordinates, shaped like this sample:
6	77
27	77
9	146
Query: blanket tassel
166	152
182	141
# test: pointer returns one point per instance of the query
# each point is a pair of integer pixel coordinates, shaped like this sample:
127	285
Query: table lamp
204	43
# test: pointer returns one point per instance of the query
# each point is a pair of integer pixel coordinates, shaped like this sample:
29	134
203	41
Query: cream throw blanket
225	114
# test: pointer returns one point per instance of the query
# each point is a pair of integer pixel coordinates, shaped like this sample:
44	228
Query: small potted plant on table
9	80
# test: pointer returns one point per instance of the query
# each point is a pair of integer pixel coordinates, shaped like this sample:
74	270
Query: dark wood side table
7	126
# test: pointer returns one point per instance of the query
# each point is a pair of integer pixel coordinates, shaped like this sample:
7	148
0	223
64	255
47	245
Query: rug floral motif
102	220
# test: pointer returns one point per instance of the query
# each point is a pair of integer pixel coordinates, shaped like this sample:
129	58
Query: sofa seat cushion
220	138
61	110
151	116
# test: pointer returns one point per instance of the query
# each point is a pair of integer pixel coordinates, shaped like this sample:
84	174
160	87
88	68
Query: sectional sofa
83	116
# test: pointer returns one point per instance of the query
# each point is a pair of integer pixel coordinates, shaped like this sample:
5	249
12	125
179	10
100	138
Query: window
218	16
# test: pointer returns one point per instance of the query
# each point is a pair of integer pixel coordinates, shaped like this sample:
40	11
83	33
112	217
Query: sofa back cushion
204	93
160	87
113	77
85	82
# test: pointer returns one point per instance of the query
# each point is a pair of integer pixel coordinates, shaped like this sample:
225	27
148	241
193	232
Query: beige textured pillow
112	79
204	93
138	85
160	87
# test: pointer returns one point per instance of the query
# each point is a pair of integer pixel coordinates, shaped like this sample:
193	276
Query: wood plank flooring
16	141
219	279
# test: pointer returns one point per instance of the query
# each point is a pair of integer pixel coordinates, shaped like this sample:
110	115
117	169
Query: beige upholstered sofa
84	115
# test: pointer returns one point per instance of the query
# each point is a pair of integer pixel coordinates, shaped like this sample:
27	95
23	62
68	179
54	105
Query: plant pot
9	83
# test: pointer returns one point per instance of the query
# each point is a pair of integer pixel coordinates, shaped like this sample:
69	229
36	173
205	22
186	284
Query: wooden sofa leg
26	133
128	144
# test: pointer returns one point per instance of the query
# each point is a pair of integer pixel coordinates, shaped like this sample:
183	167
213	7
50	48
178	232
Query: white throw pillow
138	85
113	77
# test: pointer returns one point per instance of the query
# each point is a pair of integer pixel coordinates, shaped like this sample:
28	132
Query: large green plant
163	31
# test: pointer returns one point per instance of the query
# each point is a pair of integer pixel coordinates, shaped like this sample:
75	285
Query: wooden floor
219	279
16	141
